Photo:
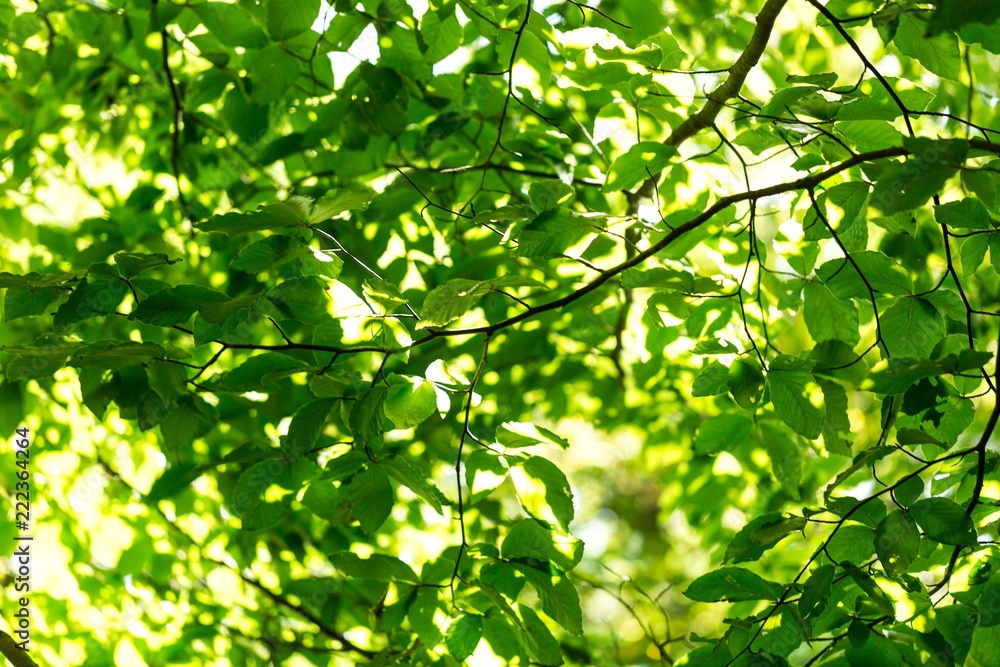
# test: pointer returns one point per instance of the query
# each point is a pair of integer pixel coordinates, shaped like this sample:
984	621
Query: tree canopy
502	332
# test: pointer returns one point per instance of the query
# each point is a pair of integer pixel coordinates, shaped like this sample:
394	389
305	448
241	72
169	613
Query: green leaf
985	648
442	33
306	426
883	275
746	383
464	635
539	640
829	318
973	253
872	589
265	218
421	616
382	295
335	202
189	418
377	567
326	500
852	543
273	72
938	53
527	539
897	541
249	500
959	413
554	231
953	14
367	418
131	264
268	253
901	373
257	373
34	280
907	492
943	520
42	358
371	496
837	425
409	401
448	302
12	410
816	591
217	312
761	534
319	263
115	354
722	433
989	603
558	494
288	18
911	327
99	295
503	577
968	213
168	380
27	302
954	622
785	455
787	378
559	599
711	381
174	480
647	56
549	193
305	299
932	162
251	123
416	480
732	584
175	305
230	24
642	160
484	472
862	460
513	435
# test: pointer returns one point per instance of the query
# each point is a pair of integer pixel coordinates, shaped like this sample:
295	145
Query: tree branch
730	88
14	653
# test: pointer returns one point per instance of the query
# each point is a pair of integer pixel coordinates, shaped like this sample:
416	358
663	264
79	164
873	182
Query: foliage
505	332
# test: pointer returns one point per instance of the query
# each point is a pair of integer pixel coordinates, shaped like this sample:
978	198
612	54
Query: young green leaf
538	638
711	381
367	417
722	433
636	165
556	489
911	327
897	541
409	401
288	18
943	520
464	635
371	496
829	318
552	232
306	426
746	383
377	567
787	378
732	584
